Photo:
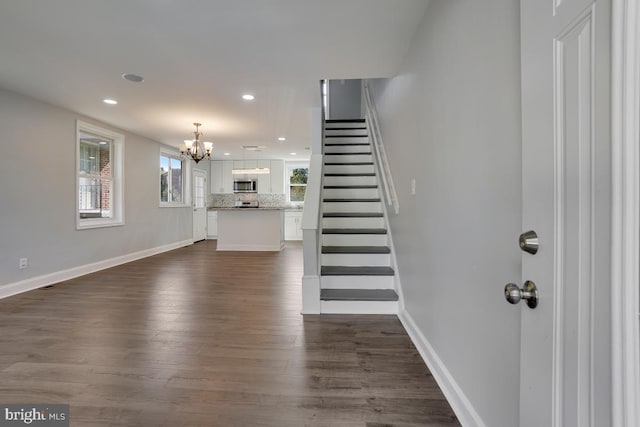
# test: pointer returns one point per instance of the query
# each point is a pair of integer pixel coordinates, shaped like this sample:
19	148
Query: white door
566	191
199	205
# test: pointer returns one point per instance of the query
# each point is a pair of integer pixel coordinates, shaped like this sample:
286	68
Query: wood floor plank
196	337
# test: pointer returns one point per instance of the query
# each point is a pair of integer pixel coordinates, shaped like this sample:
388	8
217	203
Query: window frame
289	166
186	179
117	177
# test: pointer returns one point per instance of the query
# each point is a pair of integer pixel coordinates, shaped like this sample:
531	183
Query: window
173	181
99	177
297	175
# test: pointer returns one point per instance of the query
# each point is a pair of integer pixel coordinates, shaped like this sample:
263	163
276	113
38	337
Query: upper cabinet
277	176
222	176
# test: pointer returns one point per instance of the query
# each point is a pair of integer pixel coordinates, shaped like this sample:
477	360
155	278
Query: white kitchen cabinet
264	180
221	177
216	177
277	176
227	176
292	225
212	224
245	164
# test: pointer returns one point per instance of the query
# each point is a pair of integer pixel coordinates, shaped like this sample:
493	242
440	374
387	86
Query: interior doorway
199	205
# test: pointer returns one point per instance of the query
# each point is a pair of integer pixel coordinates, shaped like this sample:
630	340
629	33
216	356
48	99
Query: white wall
37	195
451	120
344	99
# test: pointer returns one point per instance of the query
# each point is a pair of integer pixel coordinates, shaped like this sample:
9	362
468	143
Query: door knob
529	292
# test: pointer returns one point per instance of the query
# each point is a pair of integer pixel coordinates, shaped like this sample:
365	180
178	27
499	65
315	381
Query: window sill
174	205
86	224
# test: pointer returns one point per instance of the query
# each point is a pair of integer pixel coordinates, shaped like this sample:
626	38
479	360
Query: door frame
625	257
204	173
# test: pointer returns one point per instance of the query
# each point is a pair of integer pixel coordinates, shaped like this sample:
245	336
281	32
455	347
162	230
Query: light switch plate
413	187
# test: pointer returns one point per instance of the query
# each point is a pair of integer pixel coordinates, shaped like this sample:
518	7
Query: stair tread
344	121
346	136
351	174
346	128
351	200
352	215
341	270
354	231
356	250
350	186
358	295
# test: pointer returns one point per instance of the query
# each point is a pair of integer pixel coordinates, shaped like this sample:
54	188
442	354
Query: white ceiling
197	58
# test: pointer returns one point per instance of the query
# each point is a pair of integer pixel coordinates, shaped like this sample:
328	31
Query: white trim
59	276
117	173
289	165
625	251
461	405
310	294
249	247
187	171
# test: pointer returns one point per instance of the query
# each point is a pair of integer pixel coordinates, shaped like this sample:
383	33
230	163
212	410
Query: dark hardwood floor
196	337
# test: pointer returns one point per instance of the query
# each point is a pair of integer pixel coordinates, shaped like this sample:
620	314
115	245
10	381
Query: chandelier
195	148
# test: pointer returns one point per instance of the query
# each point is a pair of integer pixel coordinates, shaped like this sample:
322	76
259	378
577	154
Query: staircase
356	268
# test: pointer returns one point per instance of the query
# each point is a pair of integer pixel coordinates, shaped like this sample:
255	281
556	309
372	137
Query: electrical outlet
23	263
413	187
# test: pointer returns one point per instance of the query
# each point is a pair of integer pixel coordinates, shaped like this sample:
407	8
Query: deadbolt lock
528	242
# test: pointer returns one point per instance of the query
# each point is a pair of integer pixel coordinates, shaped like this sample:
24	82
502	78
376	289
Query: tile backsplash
264	200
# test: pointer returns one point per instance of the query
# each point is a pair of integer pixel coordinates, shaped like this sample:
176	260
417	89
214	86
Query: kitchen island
250	229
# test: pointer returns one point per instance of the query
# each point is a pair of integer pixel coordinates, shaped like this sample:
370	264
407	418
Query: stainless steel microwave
245	186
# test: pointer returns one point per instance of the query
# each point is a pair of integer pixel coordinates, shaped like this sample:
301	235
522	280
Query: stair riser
348	158
350	180
350	193
369	207
328	126
347	140
357	282
352	222
357	260
329	132
348	169
354	240
329	149
359	307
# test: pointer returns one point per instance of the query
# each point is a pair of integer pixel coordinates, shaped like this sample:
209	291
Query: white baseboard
60	276
249	247
462	407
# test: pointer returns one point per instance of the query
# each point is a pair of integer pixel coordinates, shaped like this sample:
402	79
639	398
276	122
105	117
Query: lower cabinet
212	224
292	225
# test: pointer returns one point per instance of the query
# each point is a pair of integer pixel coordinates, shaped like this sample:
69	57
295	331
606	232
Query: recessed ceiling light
282	138
293	154
248	97
103	142
227	154
133	78
110	101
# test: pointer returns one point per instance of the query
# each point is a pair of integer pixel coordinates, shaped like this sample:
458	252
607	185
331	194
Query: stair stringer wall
394	262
